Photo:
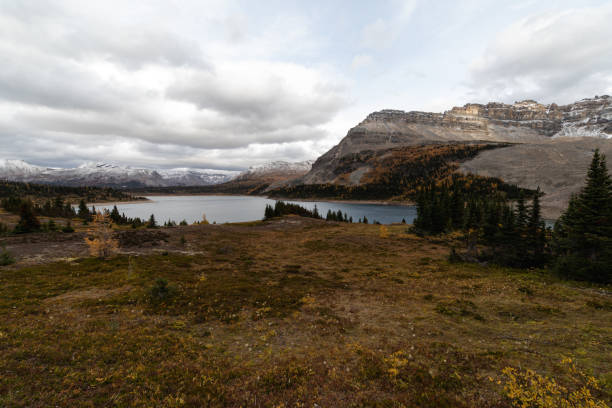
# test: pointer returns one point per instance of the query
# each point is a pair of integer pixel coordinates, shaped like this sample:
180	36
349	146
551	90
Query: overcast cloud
228	84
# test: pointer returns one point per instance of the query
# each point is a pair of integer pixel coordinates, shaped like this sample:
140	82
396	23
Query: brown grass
291	312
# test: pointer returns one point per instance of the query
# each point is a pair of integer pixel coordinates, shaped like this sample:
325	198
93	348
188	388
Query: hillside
569	131
295	311
397	173
257	179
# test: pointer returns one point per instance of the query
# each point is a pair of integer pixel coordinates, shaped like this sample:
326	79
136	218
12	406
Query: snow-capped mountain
111	175
10	169
279	167
259	179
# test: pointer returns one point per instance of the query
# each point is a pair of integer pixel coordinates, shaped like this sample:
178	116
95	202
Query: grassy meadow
291	312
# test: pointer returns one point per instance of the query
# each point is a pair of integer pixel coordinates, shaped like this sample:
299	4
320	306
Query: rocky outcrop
536	127
558	167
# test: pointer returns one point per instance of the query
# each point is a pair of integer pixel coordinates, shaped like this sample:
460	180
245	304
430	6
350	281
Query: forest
514	233
399	174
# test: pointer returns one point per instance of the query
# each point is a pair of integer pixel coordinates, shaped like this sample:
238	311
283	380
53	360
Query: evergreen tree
152	223
114	215
521	212
68	227
583	234
457	207
27	219
268	213
536	232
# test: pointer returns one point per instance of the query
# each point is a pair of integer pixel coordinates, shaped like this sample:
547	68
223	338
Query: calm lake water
222	209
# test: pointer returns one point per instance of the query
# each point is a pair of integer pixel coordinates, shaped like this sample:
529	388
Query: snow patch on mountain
112	175
280	167
583	130
19	167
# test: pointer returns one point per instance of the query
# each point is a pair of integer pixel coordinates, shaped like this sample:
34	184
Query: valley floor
289	312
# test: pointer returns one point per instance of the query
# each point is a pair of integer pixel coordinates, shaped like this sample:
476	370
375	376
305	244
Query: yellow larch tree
101	241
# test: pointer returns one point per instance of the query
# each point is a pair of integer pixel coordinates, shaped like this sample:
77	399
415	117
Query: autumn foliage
526	388
101	242
399	173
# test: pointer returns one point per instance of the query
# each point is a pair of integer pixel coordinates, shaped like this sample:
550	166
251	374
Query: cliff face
523	122
528	123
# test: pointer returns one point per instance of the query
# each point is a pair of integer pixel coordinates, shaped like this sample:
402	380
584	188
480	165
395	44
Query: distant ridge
104	174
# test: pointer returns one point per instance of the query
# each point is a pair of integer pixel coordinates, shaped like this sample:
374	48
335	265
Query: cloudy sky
228	84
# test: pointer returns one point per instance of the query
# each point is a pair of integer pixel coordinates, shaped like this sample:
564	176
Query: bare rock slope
565	134
558	167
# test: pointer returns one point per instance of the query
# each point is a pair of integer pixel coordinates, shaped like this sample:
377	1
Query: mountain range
535	145
111	175
546	146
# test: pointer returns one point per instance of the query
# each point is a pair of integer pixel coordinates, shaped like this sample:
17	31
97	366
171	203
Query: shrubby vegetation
6	258
526	388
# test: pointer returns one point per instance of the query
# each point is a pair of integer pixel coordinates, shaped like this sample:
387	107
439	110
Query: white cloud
377	34
84	82
361	60
551	56
381	33
214	83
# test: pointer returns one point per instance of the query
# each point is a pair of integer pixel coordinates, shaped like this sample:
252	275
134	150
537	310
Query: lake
221	209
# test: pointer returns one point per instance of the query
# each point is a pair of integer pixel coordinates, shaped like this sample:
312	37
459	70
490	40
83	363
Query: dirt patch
141	238
87	294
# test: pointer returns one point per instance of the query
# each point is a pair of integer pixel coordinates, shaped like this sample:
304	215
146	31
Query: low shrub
161	291
68	228
6	258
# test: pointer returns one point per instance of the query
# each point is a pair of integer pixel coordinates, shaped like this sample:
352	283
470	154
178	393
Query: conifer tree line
338	216
281	208
50	191
579	247
51	208
512	235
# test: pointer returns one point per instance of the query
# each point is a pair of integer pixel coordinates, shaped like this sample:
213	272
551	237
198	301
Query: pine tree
536	232
152	223
27	219
114	215
268	213
583	234
521	212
